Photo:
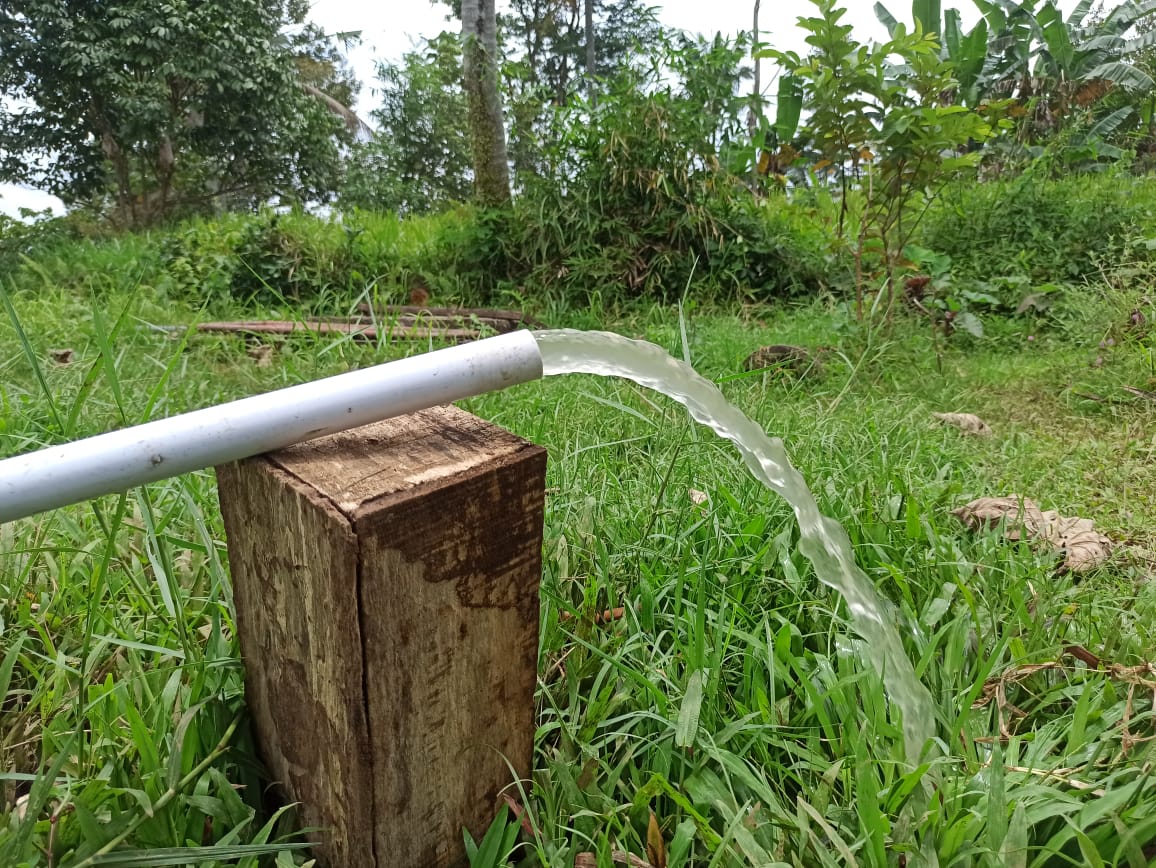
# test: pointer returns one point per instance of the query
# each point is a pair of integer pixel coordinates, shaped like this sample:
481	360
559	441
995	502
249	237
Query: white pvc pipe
109	463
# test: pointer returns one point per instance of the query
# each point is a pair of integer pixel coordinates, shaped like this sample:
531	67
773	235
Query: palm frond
355	124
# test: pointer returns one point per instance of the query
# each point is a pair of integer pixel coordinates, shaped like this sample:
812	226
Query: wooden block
386	588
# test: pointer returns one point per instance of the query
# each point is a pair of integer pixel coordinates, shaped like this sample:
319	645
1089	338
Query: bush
308	260
264	256
632	199
1043	230
43	237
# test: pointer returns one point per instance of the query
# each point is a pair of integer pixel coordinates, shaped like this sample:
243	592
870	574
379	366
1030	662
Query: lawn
732	698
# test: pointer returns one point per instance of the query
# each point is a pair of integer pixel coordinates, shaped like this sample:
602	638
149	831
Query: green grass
731	698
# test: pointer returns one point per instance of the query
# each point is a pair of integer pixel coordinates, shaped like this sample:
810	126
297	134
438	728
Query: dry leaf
61	357
262	355
519	814
968	423
655	846
606	616
990	511
751	820
1083	546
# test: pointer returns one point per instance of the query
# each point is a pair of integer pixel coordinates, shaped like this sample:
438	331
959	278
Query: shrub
308	259
632	200
260	257
1044	230
44	236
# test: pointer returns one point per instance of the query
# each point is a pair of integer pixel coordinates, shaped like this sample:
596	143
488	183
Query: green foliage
308	261
118	658
497	845
1045	230
161	106
120	673
1081	71
544	63
20	239
637	200
267	258
419	160
877	118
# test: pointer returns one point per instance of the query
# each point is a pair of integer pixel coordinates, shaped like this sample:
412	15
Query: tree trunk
484	107
590	60
753	114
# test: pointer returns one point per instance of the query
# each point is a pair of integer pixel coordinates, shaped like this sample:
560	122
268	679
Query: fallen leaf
1083	546
61	357
1084	655
262	355
991	511
751	820
655	846
606	616
519	814
797	360
1040	301
968	423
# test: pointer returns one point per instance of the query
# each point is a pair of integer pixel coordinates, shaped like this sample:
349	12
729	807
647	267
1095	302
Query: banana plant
1028	51
789	107
967	52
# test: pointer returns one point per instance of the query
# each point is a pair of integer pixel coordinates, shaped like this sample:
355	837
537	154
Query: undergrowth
729	696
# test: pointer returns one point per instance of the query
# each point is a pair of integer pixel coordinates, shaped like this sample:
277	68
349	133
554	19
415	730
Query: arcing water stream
822	540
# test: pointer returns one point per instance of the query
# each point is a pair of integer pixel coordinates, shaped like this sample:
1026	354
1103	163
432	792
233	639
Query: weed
730	699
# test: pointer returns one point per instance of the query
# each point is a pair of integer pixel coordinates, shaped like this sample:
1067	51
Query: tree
484	106
879	122
557	52
420	159
591	50
160	104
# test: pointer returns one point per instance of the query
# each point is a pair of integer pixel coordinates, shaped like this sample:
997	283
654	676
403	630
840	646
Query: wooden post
386	587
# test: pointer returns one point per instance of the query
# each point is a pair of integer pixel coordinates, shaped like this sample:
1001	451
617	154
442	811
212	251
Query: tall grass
730	698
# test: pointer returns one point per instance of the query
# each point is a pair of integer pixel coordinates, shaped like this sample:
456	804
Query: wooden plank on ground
356	329
505	319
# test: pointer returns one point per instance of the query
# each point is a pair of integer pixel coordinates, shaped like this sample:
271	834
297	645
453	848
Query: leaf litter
1083	546
968	423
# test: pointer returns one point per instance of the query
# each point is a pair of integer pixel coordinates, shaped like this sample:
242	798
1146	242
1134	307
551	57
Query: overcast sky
388	30
391	27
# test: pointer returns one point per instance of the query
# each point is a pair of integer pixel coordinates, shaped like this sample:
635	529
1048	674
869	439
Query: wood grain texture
386	583
293	559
